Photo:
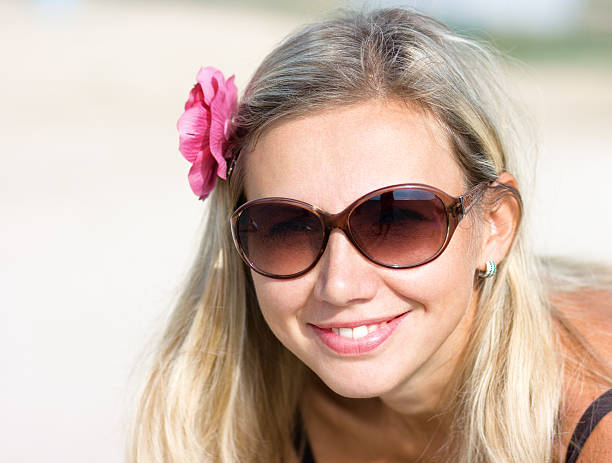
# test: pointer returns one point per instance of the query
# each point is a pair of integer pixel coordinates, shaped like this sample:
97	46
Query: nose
345	276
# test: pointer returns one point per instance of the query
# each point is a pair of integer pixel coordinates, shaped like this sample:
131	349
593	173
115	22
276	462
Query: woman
379	301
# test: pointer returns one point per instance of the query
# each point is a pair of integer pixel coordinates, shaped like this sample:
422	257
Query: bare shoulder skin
586	376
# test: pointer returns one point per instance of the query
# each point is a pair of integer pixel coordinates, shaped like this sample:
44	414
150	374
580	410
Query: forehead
330	158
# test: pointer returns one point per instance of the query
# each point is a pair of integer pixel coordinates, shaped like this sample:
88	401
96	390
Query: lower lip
347	346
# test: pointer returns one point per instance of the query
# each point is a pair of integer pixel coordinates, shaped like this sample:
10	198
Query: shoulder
585	328
588	315
598	447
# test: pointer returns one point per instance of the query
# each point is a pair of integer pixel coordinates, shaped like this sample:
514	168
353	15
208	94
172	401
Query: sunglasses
399	226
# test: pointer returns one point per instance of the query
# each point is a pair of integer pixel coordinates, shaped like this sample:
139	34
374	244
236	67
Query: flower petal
202	176
231	95
223	102
222	106
211	80
194	130
217	142
195	96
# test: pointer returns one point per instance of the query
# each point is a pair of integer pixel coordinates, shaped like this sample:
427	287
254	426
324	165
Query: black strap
300	441
596	411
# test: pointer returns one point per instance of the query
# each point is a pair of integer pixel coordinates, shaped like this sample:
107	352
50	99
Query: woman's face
330	159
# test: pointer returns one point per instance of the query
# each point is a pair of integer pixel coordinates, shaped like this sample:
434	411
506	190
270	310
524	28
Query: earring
490	271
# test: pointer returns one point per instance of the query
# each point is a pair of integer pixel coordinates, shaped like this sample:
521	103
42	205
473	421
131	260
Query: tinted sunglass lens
280	239
402	228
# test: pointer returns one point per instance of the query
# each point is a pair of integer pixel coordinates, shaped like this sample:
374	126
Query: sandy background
97	220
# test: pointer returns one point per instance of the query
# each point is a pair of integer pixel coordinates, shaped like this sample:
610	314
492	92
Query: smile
359	339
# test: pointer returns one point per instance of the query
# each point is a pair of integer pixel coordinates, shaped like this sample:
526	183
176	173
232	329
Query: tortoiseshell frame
456	209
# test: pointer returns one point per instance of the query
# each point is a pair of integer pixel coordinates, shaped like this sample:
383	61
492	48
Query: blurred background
98	224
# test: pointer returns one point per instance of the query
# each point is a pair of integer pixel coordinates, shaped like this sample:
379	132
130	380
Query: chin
357	385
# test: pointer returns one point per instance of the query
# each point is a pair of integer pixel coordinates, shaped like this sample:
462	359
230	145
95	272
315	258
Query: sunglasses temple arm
470	198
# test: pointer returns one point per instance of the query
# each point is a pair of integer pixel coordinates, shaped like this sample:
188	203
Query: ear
501	218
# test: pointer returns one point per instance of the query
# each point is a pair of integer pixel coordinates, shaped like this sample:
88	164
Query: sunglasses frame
456	208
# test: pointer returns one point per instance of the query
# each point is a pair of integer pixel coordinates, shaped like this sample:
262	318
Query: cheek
460	260
453	285
445	286
436	289
281	302
442	293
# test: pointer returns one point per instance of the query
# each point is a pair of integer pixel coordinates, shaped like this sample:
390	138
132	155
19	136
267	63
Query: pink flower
203	129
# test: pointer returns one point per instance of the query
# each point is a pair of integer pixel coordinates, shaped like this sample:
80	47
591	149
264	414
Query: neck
345	429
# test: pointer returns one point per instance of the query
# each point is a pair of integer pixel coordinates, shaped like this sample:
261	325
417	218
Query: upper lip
353	324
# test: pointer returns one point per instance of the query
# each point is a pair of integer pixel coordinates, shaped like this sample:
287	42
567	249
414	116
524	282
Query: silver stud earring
490	270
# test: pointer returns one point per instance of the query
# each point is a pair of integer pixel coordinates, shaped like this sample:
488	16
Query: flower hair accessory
204	127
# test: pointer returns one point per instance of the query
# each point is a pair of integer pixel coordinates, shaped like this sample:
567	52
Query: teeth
360	332
357	332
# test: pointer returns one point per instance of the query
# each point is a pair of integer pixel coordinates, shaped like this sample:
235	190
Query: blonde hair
224	389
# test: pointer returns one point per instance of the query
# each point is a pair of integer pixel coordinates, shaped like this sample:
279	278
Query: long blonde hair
223	388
